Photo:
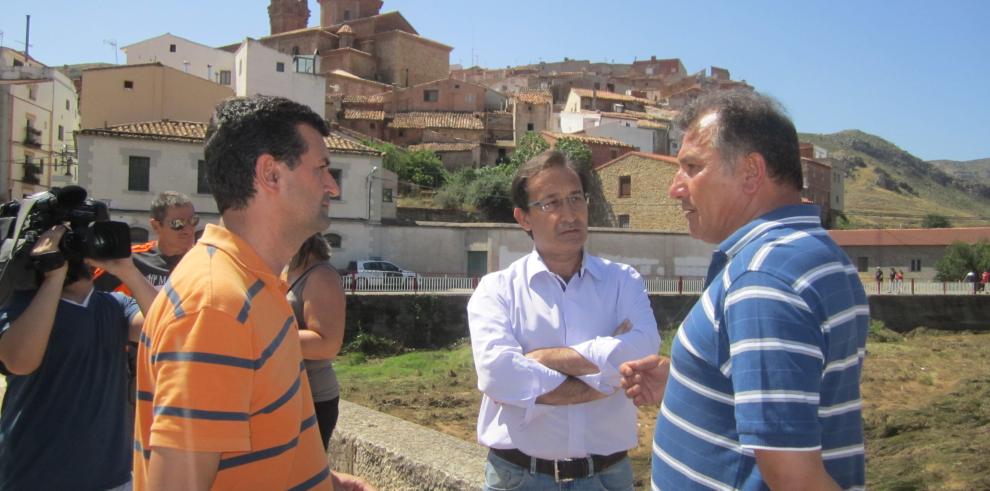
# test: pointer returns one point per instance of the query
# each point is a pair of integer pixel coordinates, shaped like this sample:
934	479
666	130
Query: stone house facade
635	188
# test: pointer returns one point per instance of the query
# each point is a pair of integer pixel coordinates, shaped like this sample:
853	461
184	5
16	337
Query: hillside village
126	132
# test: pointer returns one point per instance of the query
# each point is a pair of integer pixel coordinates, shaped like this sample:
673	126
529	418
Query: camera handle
9	252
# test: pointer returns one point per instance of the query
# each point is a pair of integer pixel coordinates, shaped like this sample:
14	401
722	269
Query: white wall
625	131
572	122
257	74
191	57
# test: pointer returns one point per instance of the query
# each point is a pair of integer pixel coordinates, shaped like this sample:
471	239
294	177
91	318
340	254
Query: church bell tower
288	15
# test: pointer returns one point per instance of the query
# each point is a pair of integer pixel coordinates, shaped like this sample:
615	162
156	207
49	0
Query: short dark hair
166	200
546	160
750	122
244	128
315	246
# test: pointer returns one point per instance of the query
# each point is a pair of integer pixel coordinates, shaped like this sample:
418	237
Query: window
625	186
32	92
347	15
171	48
387	195
402	133
623	221
295	51
334	240
614	153
68	106
529	126
598	86
372	125
138	235
863	264
915	265
128	85
224	77
202	185
431	95
336	177
279	66
138	169
61	133
18	63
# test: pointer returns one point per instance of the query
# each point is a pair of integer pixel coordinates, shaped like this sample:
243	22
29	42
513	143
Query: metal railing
654	285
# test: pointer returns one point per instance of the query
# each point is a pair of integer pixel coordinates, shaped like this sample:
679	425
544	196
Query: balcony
32	173
32	136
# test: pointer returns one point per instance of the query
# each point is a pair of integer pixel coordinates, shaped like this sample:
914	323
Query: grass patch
926	404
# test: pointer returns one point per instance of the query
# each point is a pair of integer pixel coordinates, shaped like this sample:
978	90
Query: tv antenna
113	44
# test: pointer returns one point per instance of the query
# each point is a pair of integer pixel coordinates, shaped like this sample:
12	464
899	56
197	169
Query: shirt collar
780	217
85	302
535	264
239	251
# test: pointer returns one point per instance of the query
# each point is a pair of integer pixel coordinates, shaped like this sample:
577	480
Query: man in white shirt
548	335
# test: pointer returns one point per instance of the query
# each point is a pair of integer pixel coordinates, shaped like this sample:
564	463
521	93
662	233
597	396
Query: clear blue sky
913	72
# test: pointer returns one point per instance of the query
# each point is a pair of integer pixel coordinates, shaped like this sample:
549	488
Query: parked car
373	272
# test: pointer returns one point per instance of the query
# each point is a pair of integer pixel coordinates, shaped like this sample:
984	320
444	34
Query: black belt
561	470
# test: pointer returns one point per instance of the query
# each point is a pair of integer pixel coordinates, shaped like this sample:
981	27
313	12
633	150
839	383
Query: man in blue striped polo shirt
763	387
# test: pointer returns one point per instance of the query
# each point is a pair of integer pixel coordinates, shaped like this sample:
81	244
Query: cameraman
62	347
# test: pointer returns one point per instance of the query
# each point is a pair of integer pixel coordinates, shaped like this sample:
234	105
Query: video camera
90	233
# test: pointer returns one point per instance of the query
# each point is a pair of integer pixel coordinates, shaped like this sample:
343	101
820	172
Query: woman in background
317	300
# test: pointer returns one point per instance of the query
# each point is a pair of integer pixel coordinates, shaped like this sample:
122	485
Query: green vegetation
421	167
888	187
488	190
935	221
961	258
925	396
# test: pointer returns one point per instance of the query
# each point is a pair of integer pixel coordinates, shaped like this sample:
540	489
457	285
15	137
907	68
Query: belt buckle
556	473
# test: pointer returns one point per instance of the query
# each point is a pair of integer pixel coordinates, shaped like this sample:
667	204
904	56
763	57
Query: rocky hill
888	187
968	170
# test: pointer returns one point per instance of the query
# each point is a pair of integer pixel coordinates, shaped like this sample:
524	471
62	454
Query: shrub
372	345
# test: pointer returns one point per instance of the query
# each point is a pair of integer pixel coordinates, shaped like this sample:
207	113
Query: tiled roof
364	114
666	159
164	130
622	115
364	99
590	140
444	147
534	97
338	142
460	121
610	96
909	236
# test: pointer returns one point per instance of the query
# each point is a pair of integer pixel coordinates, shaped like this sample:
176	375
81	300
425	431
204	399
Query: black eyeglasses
179	224
574	201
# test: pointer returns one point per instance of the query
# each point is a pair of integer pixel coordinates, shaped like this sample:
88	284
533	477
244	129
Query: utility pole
113	44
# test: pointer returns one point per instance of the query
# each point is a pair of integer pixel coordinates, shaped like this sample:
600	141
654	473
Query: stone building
408	128
816	187
635	187
531	111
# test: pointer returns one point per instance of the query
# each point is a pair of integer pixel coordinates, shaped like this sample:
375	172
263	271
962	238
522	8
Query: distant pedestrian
900	280
893	280
879	278
984	279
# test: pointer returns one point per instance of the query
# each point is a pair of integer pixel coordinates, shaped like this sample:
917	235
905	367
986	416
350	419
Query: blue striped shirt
769	358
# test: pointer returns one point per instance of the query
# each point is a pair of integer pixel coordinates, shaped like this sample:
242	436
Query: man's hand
347	482
645	379
623	328
117	267
48	244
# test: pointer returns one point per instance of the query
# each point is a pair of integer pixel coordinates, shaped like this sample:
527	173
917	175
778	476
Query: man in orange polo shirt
223	402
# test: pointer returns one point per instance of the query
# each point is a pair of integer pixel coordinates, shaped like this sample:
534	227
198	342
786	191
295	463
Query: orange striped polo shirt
220	370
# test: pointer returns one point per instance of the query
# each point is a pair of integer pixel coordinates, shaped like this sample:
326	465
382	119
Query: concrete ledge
398	455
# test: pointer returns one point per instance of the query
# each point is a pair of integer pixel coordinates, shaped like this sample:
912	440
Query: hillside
888	187
977	171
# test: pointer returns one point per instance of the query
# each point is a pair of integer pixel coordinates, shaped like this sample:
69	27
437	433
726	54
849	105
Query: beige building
149	92
38	114
914	251
635	187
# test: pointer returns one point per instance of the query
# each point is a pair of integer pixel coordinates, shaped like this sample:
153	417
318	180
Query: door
477	263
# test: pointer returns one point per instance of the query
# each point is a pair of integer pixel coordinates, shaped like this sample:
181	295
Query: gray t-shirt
322	379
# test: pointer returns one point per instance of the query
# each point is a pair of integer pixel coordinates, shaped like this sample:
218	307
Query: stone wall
647	203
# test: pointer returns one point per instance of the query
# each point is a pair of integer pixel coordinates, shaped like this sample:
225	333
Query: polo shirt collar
780	217
239	251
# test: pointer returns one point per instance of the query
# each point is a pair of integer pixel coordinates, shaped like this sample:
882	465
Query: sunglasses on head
179	224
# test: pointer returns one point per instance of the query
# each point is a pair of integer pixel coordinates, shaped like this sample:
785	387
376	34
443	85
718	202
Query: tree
575	151
529	146
933	220
421	167
961	258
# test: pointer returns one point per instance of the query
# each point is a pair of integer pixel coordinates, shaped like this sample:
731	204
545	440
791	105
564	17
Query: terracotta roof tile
534	97
444	147
610	96
592	140
364	99
338	142
462	121
364	114
909	236
665	159
164	130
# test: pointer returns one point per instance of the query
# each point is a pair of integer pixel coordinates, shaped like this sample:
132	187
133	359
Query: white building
262	70
213	64
38	115
633	128
128	165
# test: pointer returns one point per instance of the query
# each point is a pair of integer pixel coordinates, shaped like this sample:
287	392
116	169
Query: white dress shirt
526	307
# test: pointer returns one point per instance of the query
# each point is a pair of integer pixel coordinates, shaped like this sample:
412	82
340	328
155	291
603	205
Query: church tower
333	12
288	15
